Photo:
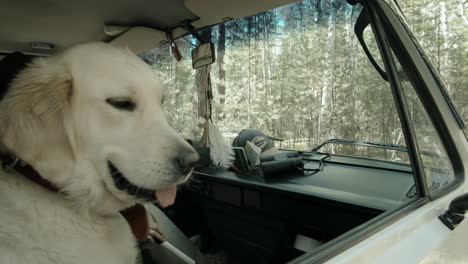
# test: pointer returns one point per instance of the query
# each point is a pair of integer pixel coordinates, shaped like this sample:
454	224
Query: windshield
296	72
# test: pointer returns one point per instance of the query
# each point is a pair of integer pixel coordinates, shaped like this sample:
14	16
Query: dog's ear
54	96
31	112
47	84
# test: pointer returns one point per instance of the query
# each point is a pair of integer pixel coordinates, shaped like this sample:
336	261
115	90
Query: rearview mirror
203	55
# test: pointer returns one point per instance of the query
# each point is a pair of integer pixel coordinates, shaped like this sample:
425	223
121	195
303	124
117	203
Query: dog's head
90	120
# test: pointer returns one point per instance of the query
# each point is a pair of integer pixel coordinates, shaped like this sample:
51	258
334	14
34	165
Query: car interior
274	215
290	204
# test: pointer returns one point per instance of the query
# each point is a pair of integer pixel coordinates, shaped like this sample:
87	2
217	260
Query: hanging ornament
221	154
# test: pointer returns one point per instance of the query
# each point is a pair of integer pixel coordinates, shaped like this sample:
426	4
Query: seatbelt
148	252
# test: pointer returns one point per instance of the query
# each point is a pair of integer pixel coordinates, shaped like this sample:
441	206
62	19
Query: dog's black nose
186	161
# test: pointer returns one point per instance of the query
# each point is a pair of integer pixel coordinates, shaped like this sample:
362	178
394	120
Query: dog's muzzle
124	184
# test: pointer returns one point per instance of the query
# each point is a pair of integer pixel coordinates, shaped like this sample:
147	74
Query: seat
173	235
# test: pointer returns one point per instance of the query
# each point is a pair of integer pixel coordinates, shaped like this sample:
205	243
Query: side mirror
203	55
456	212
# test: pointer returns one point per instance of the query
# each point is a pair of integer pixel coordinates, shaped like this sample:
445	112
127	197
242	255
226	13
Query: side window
437	167
441	29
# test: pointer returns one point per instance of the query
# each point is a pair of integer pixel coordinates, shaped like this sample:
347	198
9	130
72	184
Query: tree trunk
325	106
221	70
249	28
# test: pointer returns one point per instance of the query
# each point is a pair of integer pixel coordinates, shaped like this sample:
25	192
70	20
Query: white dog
89	120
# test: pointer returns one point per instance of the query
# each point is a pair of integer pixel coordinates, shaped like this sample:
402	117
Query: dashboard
254	215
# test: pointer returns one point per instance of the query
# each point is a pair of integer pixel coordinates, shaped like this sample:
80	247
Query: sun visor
139	39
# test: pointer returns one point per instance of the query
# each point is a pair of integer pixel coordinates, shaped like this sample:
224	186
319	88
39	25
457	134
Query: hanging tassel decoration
221	153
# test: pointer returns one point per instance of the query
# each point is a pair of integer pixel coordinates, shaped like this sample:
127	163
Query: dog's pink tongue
137	220
166	196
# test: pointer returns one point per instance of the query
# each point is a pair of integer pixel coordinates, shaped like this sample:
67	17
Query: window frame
400	101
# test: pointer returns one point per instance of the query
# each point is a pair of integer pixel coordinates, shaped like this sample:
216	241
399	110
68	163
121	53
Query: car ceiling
66	22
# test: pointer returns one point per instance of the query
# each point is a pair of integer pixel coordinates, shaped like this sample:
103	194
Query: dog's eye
121	103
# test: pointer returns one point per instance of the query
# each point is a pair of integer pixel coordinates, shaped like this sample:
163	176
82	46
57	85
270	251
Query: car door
414	232
452	249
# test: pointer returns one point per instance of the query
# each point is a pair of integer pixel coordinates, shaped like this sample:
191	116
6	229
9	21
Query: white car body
419	237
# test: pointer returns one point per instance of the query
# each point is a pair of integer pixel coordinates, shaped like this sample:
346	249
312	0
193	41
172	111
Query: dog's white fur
56	118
